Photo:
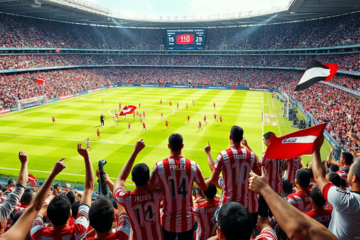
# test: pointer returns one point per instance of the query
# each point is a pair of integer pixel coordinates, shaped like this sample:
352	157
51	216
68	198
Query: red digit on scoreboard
185	39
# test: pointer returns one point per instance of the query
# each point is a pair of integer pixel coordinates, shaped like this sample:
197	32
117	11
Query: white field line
97	141
235	114
71	174
276	116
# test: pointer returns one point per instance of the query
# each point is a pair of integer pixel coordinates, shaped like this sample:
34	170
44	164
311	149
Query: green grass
78	118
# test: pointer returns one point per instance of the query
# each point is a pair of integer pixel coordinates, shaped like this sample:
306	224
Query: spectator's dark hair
348	157
16	217
71	196
335	179
176	142
101	215
75	209
343	183
11	181
56	186
4	189
334	168
287	187
210	191
233	218
317	197
236	134
140	174
310	172
267	135
356	170
59	210
303	177
27	197
199	192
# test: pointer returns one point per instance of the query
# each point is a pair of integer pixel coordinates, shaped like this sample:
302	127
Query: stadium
191	126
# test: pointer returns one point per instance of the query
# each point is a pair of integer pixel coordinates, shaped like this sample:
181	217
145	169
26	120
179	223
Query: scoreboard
185	39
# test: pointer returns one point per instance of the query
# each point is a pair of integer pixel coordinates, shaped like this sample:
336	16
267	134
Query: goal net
31	102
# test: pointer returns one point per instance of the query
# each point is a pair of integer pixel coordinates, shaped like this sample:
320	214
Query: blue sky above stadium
185	7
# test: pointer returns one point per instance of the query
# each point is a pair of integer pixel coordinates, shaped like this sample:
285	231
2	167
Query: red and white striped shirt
143	209
235	164
76	232
292	166
122	230
176	177
301	200
323	216
274	168
266	234
204	213
342	174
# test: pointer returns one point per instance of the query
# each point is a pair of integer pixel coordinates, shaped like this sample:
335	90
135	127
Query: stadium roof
80	11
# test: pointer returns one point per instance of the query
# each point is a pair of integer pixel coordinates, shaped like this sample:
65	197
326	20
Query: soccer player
214	105
144	114
205	119
204	213
293	165
186	106
59	211
188	118
301	199
53	120
88	144
193	102
170	103
167	124
177	104
102	102
102	119
98	133
144	126
318	212
215	117
235	164
139	104
134	115
220	119
274	169
142	205
137	113
162	115
199	127
160	101
120	106
176	176
129	125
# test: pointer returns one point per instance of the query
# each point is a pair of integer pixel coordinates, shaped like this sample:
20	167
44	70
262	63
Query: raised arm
108	181
89	176
8	206
295	224
22	226
125	171
317	167
245	144
208	154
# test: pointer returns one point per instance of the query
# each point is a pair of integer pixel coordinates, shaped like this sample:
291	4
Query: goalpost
31	102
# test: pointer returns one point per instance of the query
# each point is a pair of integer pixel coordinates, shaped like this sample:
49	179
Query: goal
31	102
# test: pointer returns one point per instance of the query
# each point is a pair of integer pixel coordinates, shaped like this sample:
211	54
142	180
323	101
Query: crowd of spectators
22	32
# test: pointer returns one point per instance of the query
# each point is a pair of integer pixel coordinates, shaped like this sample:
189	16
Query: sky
185	7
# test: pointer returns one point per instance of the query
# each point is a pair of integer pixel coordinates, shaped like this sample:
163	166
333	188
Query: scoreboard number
198	39
171	39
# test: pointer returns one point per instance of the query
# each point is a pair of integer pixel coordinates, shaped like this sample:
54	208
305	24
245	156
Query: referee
102	119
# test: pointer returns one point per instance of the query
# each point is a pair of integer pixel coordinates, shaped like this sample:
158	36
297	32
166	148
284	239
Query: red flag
41	81
32	179
294	144
127	110
58	50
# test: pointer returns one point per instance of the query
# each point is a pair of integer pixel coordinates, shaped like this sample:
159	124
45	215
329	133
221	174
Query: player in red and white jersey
129	125
160	101
215	117
205	119
301	199
220	119
193	102
186	106
144	126
188	118
199	127
176	176
141	205
167	124
144	114
293	165
139	104
177	104
53	120
214	105
88	144
120	106
162	115
235	164
170	103
98	133
204	212
318	212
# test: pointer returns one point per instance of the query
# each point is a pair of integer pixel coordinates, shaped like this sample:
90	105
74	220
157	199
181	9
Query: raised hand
139	145
83	152
258	183
318	143
23	157
59	166
207	148
244	142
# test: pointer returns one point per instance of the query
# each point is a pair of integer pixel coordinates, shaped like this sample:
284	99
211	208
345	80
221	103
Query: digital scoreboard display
185	39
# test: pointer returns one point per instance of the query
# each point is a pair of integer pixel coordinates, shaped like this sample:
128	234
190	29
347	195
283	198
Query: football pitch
78	118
